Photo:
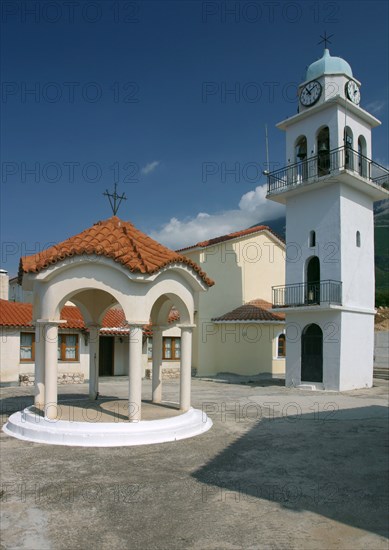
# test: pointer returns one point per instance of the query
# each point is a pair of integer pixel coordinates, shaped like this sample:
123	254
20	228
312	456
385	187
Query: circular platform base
30	426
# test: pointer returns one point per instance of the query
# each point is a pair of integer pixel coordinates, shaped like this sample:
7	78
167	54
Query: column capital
189	328
135	324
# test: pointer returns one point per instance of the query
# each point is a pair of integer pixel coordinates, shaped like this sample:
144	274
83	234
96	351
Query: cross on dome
325	39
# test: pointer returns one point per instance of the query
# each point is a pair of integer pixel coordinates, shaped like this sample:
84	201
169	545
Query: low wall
28	379
168	373
381	349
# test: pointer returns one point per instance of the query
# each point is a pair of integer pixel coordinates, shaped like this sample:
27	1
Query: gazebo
111	263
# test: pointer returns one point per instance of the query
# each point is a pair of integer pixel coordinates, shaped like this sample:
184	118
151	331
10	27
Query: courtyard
280	469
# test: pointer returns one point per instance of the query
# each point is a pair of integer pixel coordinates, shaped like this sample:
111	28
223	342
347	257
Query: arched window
281	346
312	239
362	160
323	151
348	148
358	239
301	158
312	291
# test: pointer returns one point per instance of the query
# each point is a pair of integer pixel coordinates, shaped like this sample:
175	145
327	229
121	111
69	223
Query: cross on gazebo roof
115	204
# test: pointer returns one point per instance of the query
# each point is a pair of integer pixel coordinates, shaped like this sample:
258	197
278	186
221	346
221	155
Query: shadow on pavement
335	465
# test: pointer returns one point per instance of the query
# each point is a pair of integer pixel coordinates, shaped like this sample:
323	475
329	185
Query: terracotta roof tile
15	314
256	310
115	239
235	235
18	314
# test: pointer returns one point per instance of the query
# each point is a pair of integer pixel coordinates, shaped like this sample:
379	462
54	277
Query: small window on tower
312	239
358	239
281	346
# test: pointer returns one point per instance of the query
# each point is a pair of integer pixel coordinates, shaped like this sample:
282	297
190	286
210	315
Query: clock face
352	92
310	93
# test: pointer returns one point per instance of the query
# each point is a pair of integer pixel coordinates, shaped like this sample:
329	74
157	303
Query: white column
186	366
94	339
39	399
157	365
51	367
135	372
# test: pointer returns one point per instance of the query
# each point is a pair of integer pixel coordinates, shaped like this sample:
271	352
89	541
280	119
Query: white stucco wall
357	266
330	323
9	355
11	366
98	283
318	210
348	348
357	351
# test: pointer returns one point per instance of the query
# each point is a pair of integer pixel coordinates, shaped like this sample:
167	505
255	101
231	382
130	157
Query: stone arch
162	306
171	286
63	282
159	315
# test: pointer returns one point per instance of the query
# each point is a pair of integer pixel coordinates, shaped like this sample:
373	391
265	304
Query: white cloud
253	208
376	107
149	168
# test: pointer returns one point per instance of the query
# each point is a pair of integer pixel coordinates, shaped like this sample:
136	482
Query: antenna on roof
265	172
117	199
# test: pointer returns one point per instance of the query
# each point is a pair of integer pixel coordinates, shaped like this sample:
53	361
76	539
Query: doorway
313	281
106	355
312	354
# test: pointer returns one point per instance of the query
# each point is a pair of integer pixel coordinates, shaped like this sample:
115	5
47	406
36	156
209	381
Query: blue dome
328	65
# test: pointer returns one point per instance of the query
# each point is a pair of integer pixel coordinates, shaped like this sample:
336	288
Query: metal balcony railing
308	294
324	164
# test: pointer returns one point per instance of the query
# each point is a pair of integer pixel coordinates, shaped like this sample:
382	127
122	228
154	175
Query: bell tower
329	185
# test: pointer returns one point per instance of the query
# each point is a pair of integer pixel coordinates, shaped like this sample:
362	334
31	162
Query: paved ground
280	469
108	410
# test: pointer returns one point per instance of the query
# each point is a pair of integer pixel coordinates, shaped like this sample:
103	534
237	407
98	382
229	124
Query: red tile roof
18	314
230	236
115	239
15	314
256	310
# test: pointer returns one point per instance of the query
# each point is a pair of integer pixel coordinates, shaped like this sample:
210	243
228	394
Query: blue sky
141	93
